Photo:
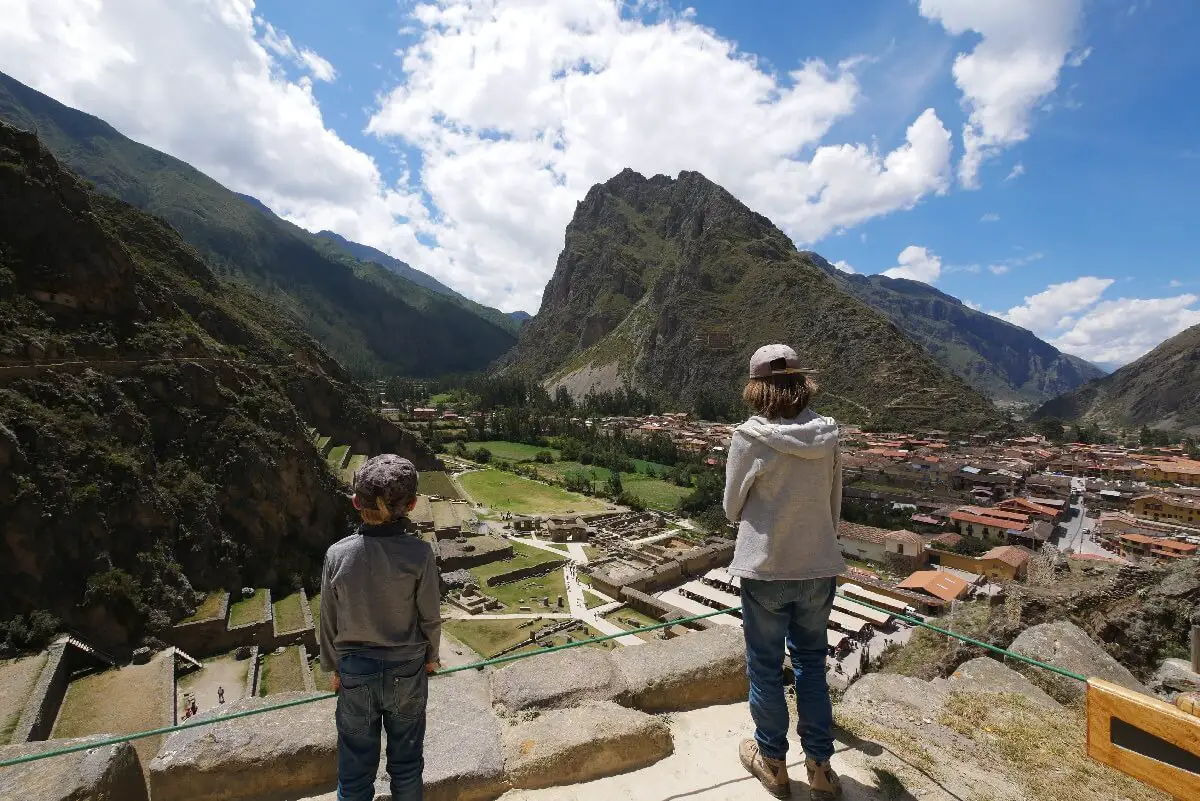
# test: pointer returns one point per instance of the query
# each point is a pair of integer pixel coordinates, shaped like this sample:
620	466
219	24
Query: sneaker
823	783
771	772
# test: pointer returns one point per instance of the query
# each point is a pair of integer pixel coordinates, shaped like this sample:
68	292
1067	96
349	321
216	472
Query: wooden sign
1144	737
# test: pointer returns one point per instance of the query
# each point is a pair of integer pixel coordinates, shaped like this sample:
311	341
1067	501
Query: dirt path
223	671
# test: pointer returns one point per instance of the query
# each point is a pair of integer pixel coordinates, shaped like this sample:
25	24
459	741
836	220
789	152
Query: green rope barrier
499	660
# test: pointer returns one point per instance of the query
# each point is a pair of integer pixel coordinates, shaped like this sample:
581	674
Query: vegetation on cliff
154	419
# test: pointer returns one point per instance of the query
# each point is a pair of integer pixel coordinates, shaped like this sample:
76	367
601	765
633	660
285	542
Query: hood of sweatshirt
808	436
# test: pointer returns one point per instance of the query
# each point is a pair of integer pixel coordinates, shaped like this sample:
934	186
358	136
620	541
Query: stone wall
671	574
525	572
37	719
252	673
660	610
214	636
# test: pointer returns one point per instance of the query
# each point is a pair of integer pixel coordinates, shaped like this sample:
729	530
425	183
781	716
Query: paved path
652	538
577	552
593	616
541	546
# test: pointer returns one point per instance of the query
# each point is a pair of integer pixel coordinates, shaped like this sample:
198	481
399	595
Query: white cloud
1015	64
1016	172
970	304
1077	58
991	216
1041	312
1119	331
999	269
515	109
844	266
918	264
1175	283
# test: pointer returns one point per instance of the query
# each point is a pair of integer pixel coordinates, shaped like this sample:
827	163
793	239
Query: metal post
1196	641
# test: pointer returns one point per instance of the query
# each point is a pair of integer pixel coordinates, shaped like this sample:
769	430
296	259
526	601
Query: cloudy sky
1039	159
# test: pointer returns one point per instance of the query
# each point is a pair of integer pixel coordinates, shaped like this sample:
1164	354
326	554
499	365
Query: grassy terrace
509	493
314	606
282	673
289	613
434	482
249	610
522	593
511	451
523	556
356	461
334	459
17	677
322	442
209	608
592	600
489	637
628	613
322	679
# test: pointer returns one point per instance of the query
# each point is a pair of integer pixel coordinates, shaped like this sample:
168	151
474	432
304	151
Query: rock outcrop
1065	645
107	773
560	679
709	667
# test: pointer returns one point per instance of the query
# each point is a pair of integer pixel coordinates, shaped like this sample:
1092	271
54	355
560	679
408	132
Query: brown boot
771	772
823	783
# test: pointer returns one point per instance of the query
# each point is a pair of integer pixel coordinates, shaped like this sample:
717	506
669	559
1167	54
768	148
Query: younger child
380	631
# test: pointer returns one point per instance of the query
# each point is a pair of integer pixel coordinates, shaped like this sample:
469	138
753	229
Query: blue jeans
795	613
379	695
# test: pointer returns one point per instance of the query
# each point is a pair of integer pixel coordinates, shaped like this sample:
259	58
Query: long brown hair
780	396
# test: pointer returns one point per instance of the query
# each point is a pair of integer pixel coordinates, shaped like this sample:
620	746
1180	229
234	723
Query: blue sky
1073	213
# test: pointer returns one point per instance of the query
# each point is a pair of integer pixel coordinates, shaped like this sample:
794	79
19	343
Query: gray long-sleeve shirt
380	597
783	487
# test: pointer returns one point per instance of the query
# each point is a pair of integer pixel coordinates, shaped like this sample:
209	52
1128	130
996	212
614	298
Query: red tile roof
937	583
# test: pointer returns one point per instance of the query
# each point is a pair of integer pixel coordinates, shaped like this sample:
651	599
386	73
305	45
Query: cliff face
999	359
1161	389
670	285
153	419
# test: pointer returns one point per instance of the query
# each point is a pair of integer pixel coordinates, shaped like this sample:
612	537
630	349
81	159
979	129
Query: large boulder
912	696
1067	646
287	751
106	773
589	741
699	669
1173	677
559	679
463	756
986	675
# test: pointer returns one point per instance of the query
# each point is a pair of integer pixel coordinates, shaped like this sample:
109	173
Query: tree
481	455
1051	428
969	546
613	485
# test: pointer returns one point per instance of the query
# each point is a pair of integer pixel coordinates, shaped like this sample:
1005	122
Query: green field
529	592
632	614
592	600
282	673
511	451
654	492
488	637
321	443
210	607
524	556
334	459
509	493
249	610
17	678
356	461
434	482
289	613
322	679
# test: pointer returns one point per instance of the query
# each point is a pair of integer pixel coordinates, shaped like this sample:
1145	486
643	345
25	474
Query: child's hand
432	667
335	682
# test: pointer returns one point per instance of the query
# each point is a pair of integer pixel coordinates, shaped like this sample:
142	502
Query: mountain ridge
1160	390
669	285
1002	360
371	319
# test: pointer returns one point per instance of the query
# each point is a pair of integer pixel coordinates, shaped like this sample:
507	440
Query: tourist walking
220	695
380	631
783	488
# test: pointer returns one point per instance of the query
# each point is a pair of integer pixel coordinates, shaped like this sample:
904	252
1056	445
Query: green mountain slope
154	419
1161	390
372	320
999	359
670	285
367	253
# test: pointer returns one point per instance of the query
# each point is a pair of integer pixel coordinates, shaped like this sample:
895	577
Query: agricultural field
654	492
17	677
209	608
510	493
289	613
356	461
435	482
511	451
282	672
523	556
488	637
249	610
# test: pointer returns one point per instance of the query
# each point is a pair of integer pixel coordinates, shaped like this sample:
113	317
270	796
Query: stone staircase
186	662
76	641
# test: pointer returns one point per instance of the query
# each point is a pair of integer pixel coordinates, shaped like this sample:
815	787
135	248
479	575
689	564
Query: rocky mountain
374	255
1001	360
154	418
669	285
371	319
1161	390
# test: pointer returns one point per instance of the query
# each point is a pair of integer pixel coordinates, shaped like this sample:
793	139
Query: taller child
783	487
380	630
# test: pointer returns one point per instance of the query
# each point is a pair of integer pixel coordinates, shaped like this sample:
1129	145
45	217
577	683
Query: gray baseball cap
772	360
387	481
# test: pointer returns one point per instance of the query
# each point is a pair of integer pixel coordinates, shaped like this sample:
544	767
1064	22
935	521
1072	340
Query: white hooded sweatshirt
783	486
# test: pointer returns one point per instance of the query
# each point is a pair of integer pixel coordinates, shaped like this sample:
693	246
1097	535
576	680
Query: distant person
783	487
220	695
380	630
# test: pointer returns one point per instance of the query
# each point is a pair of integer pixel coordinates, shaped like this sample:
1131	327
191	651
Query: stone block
464	760
107	773
987	675
586	742
700	669
288	751
1065	645
559	679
